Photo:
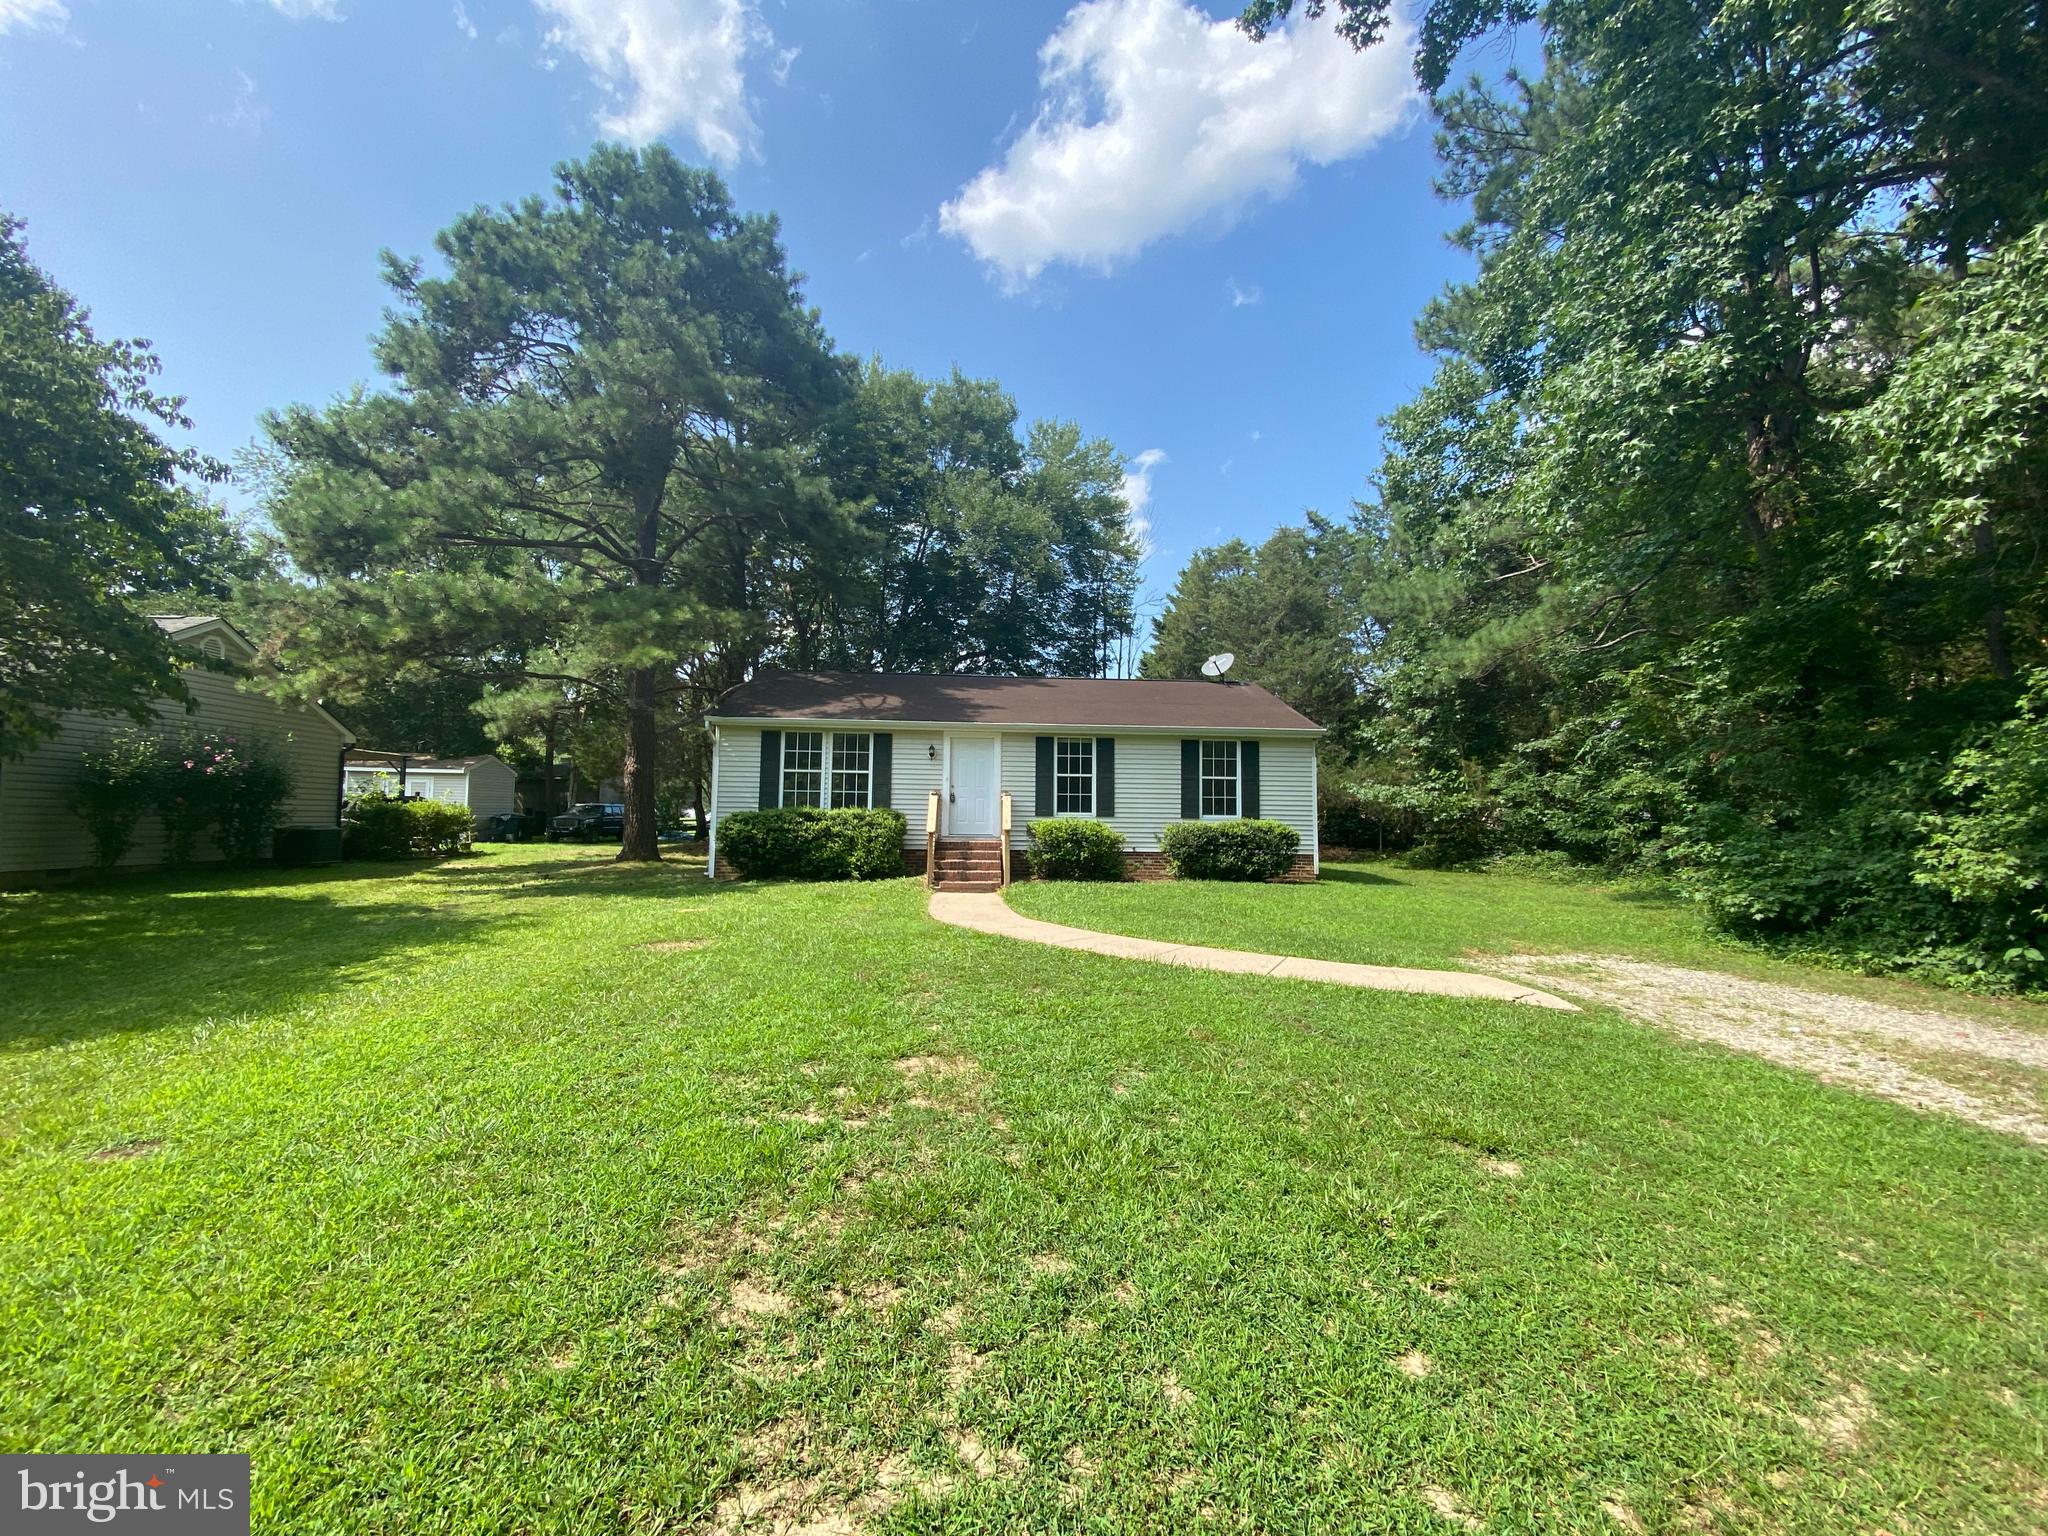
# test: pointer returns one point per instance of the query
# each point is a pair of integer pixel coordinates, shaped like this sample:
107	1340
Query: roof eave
1019	725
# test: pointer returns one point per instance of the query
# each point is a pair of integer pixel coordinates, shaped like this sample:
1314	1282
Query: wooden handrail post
1005	800
931	838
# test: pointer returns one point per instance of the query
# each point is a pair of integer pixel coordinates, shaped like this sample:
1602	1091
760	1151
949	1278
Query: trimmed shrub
805	843
1077	850
377	826
1229	850
440	829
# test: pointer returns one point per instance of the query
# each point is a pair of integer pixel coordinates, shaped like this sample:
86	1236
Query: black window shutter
1105	776
1041	800
1191	780
883	764
1248	762
771	769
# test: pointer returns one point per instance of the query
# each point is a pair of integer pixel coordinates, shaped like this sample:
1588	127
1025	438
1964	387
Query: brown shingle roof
967	699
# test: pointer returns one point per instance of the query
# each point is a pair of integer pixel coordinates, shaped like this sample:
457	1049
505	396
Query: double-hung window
853	774
803	767
828	768
1219	778
1073	776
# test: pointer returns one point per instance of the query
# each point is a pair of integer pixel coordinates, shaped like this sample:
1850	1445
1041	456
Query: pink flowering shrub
200	784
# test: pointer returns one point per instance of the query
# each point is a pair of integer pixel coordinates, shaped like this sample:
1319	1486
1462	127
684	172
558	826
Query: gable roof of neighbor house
191	629
952	698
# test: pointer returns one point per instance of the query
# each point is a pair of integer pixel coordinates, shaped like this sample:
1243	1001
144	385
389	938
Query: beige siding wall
39	832
1148	786
913	769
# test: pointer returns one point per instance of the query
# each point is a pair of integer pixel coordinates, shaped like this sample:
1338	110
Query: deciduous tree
99	521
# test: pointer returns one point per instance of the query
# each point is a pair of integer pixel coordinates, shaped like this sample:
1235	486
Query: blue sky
1208	252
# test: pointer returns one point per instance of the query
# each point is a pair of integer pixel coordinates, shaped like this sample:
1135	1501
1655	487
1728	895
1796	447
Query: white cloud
668	64
784	59
1242	294
1137	494
1155	119
462	22
248	113
25	15
308	10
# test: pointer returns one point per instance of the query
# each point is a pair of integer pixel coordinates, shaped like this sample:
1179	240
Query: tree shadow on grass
569	875
138	956
1352	874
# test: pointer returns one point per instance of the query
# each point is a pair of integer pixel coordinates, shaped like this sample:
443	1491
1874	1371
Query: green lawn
461	1209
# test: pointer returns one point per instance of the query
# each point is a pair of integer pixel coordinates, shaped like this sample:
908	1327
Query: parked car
587	823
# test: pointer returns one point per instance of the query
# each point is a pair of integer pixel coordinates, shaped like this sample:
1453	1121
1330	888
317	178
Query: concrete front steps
968	864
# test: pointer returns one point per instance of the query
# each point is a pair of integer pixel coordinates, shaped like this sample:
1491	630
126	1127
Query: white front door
971	808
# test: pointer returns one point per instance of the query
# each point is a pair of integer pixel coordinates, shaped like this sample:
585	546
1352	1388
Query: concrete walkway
989	913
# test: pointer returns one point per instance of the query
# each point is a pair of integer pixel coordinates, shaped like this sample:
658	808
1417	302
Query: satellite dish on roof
1216	666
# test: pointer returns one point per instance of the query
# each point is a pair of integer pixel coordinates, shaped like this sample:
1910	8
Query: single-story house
39	833
482	782
1137	753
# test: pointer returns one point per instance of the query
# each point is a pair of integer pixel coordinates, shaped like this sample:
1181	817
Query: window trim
1094	783
825	769
1203	778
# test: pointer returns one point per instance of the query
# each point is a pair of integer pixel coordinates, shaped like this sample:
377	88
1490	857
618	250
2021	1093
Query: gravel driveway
1985	1073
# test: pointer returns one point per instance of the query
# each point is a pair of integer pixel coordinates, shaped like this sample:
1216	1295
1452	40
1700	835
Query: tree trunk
1985	544
642	841
547	775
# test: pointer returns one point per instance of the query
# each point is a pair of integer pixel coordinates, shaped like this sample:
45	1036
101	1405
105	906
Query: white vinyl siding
1147	781
914	770
739	771
486	787
1148	785
39	832
448	788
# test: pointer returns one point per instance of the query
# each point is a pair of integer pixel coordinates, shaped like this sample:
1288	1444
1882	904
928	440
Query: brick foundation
1152	866
1137	866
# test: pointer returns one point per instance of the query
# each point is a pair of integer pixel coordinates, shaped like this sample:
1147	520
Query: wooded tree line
1717	543
615	464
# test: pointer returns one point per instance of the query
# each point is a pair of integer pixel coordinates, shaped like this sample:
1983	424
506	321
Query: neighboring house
483	783
1137	753
40	833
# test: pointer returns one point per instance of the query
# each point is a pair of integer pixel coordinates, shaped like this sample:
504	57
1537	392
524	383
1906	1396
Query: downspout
711	842
341	787
1315	806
